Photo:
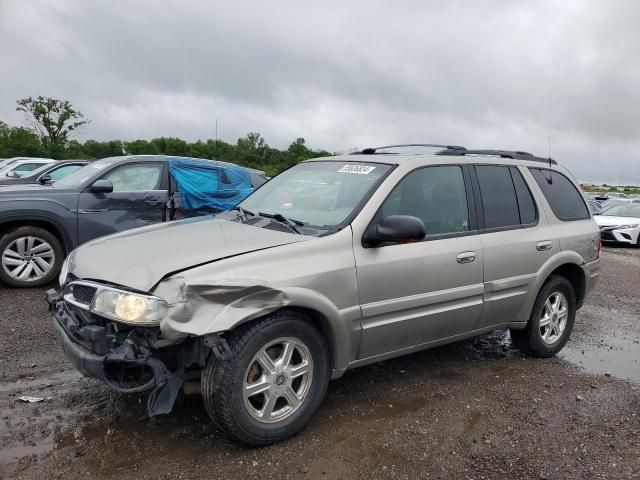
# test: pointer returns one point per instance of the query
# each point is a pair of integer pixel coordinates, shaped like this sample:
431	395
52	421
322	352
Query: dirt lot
473	410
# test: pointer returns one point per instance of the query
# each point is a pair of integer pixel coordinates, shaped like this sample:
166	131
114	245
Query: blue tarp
209	185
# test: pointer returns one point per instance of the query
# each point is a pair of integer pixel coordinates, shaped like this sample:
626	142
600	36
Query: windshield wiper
243	213
281	218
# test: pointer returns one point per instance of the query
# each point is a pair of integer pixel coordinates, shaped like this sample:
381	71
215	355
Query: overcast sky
484	74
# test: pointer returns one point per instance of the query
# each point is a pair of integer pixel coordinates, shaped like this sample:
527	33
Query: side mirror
45	179
12	175
101	186
396	229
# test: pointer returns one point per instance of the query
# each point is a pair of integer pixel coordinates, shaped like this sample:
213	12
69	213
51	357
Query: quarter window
136	177
526	205
564	198
436	195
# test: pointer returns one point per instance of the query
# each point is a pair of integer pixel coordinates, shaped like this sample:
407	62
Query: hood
140	258
609	220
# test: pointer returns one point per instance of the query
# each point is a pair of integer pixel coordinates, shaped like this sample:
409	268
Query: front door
139	198
416	293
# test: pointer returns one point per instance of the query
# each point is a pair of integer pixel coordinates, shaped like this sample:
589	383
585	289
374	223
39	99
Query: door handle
466	257
544	245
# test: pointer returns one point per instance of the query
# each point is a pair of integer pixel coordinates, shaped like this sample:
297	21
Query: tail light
598	246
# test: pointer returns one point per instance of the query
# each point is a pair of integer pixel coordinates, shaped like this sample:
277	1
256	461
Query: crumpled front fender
203	309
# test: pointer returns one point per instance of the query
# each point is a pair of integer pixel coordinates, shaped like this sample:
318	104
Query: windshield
79	177
320	195
632	210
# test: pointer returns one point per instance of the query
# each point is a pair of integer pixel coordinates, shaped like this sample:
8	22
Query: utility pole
216	148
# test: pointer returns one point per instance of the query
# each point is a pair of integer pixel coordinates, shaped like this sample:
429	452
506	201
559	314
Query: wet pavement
474	409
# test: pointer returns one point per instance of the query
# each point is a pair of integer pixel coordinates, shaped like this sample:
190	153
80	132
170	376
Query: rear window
564	198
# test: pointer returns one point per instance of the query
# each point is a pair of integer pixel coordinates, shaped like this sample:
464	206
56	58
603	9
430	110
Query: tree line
52	123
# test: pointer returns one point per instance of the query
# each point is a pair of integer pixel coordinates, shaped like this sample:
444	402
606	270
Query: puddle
618	356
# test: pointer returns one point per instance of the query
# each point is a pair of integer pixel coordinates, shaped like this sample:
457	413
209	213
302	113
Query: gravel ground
473	410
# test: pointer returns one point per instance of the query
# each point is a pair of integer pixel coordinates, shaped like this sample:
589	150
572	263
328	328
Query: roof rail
515	155
371	151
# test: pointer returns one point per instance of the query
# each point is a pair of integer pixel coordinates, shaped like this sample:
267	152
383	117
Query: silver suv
337	262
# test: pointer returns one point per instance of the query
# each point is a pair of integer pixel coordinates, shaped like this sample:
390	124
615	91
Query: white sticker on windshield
360	169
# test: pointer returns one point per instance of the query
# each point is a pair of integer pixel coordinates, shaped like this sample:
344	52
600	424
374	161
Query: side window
564	198
136	177
526	204
21	170
60	173
498	196
436	195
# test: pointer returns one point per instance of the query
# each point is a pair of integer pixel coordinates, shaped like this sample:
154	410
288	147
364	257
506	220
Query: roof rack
371	151
515	155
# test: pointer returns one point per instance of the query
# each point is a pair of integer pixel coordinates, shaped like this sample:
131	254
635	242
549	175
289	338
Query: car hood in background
609	220
140	258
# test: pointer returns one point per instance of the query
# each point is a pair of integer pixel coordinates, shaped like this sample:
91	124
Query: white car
620	223
19	166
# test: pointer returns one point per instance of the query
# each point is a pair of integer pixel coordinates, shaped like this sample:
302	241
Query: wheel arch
576	277
562	263
45	223
333	324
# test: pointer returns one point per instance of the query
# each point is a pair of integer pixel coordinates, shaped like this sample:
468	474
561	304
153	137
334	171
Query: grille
83	293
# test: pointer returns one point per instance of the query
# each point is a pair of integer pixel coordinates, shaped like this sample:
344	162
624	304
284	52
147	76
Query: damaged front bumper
97	350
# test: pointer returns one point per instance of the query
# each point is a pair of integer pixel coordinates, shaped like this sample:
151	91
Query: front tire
30	257
272	384
551	320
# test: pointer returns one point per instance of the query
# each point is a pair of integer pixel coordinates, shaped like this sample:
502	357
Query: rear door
138	199
516	240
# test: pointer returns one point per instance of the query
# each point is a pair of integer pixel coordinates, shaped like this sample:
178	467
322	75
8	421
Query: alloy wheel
277	380
554	318
28	258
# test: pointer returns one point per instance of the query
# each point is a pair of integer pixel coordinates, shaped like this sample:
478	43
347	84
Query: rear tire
29	257
551	321
257	400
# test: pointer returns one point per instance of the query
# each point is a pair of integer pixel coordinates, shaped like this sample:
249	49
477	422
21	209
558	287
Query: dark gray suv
41	224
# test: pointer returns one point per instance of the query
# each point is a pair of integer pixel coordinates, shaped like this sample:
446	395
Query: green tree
299	151
95	149
141	147
19	142
53	121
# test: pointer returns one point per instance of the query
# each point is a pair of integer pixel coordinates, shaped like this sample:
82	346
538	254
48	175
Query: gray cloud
503	74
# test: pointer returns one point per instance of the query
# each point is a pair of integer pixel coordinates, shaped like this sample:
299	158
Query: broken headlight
129	307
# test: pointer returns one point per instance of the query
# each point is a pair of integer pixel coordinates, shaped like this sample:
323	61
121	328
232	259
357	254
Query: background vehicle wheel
551	321
273	383
30	257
